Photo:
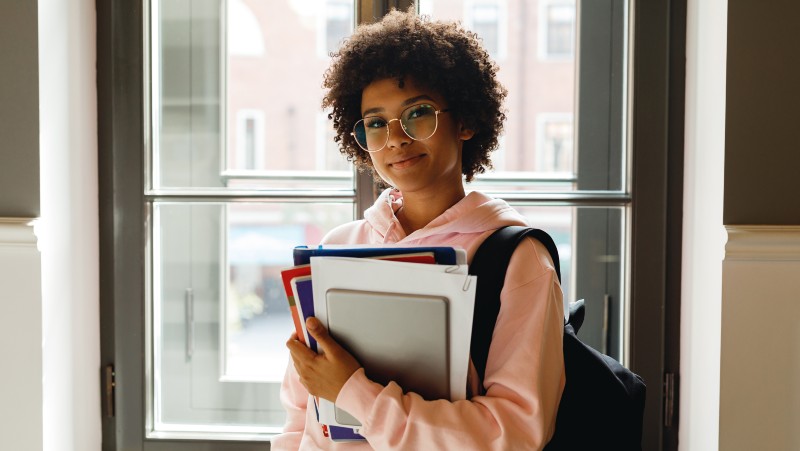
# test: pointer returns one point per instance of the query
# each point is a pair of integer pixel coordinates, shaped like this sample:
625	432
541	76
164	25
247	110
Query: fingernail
312	323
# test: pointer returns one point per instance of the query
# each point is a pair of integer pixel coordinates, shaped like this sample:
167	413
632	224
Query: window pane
539	150
220	315
258	246
237	94
540	153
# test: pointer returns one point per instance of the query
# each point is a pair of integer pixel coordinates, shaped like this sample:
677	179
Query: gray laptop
396	337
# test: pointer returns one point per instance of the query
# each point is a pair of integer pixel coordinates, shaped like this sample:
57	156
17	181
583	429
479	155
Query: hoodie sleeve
524	377
294	398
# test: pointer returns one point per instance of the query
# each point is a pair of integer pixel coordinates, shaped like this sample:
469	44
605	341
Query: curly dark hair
441	56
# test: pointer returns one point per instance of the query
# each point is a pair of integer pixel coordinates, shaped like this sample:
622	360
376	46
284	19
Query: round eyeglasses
419	122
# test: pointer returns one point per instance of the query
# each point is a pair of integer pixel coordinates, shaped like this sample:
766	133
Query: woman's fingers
320	333
322	374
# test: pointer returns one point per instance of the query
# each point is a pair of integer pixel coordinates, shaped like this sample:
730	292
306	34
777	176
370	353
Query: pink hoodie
525	368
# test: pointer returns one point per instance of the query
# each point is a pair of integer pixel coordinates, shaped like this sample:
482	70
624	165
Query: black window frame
656	132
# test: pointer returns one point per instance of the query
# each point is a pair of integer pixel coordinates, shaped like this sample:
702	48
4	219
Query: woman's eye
374	123
419	111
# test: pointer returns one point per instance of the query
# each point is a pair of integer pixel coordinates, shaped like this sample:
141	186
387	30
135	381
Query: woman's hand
323	374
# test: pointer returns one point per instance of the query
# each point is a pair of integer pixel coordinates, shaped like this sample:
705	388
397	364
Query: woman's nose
397	136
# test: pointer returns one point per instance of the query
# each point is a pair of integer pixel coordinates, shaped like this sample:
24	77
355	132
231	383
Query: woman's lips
407	162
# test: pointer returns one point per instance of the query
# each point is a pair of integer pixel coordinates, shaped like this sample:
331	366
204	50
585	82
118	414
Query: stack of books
405	313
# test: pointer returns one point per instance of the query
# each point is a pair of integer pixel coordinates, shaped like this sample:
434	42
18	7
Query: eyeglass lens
419	122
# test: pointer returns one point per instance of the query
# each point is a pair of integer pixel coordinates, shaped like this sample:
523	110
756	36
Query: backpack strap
490	263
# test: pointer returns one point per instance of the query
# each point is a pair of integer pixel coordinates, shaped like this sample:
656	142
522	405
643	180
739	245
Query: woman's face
414	165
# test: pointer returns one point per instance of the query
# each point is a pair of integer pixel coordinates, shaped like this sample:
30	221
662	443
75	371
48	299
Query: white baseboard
755	243
15	232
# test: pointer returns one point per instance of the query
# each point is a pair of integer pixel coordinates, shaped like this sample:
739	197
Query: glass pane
589	241
534	43
257	313
237	94
220	316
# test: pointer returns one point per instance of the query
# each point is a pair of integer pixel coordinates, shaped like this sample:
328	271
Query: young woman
417	103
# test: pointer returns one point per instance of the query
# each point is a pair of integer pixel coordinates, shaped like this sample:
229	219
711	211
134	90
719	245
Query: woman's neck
419	209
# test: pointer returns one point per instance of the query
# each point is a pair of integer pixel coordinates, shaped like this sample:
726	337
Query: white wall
20	338
68	231
703	230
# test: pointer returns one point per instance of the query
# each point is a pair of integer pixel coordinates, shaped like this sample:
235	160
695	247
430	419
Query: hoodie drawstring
389	230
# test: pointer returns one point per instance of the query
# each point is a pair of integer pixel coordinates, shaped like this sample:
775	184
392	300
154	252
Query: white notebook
436	290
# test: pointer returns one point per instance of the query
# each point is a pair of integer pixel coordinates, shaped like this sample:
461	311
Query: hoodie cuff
358	395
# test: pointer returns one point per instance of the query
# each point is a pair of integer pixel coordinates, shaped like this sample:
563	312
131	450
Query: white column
68	231
20	337
703	230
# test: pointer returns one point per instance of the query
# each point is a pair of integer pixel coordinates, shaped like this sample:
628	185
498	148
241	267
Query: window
499	155
249	141
557	29
537	170
338	23
183	300
554	143
233	159
328	156
487	19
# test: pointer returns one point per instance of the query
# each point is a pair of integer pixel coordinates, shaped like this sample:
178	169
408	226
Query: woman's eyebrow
417	99
405	103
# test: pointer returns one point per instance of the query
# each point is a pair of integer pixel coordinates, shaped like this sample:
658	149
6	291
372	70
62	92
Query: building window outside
557	30
328	156
554	143
499	156
250	146
338	24
488	20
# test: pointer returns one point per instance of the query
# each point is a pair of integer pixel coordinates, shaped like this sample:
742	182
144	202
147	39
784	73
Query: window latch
109	385
669	399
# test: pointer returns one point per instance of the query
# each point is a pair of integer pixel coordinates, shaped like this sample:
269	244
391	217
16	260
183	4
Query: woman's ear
465	133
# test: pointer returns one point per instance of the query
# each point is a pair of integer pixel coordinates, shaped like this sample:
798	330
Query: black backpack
603	402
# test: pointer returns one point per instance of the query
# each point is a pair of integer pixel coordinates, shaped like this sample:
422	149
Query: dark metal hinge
669	399
109	384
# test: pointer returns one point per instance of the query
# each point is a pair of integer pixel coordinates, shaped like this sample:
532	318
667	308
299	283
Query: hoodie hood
466	224
476	213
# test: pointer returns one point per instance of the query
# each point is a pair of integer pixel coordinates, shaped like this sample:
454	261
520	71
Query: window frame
655	135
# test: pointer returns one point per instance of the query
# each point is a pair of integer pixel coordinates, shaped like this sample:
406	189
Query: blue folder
442	254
